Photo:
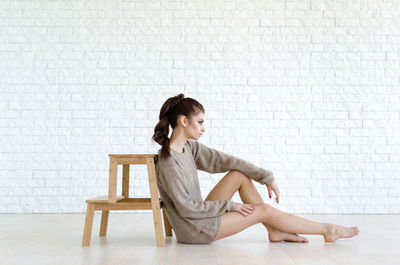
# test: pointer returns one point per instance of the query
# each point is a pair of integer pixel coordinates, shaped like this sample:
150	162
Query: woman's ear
182	120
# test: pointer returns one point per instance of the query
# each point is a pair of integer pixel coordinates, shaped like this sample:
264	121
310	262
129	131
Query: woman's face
195	127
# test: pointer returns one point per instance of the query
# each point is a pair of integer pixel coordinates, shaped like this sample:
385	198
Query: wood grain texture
55	239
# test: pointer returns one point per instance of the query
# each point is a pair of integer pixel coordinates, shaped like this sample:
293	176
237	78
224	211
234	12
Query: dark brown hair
169	113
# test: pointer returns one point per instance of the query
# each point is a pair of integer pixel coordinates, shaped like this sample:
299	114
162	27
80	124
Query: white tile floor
56	239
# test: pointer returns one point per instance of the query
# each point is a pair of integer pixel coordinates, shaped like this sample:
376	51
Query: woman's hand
273	187
244	209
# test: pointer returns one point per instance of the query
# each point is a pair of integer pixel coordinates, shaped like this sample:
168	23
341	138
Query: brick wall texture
307	89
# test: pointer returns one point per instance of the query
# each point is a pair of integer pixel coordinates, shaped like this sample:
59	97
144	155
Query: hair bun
172	103
176	100
179	97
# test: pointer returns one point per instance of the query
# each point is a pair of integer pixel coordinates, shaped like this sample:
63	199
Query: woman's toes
355	230
341	232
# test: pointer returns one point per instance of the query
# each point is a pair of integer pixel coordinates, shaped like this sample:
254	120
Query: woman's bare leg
233	222
249	194
236	180
276	221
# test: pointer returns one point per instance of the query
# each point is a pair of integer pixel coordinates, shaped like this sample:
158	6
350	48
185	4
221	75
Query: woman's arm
214	161
174	184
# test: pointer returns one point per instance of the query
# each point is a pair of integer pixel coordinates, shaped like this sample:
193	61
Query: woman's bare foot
278	236
335	232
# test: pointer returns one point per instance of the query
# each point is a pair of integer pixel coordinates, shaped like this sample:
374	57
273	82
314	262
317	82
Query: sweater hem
217	229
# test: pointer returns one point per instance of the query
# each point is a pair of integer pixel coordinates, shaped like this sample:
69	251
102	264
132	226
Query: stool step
103	199
111	201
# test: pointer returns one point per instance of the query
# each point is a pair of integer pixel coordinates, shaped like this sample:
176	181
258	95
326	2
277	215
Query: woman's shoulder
193	146
165	162
162	160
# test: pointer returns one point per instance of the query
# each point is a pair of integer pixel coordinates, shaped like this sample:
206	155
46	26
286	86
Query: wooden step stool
123	202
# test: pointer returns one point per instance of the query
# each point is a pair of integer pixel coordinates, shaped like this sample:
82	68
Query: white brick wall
307	89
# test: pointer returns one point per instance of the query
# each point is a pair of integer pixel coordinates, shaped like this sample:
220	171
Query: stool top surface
132	155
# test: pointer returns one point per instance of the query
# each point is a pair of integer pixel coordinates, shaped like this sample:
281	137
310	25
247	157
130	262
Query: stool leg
87	231
104	222
167	225
125	181
155	202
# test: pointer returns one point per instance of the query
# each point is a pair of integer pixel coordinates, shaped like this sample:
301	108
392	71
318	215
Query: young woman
198	221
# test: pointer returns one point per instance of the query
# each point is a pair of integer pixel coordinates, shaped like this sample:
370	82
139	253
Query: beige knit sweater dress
194	220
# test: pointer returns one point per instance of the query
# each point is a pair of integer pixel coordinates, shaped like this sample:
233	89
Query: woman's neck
177	141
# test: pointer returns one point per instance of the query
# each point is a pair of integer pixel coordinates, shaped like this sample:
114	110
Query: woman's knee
264	209
241	177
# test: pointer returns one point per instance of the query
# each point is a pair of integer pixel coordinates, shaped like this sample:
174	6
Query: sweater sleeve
214	161
174	184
